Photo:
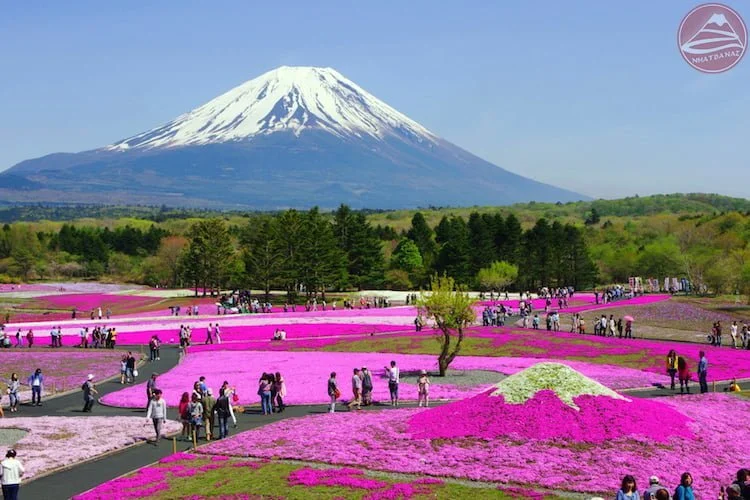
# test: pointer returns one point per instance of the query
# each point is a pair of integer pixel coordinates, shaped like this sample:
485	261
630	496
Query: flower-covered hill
521	406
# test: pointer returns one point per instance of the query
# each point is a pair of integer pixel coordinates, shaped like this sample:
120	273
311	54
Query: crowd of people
740	335
199	410
739	488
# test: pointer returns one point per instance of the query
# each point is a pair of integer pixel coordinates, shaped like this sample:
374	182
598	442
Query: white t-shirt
393	375
11	470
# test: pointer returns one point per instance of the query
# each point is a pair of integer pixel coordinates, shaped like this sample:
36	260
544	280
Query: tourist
685	490
36	381
628	490
123	368
130	368
683	374
333	391
264	391
703	372
197	391
223	410
629	329
157	412
423	388
11	471
195	413
217	333
279	387
734	492
356	391
366	387
182	409
733	386
743	481
662	494
535	322
672	366
30	338
19	338
393	381
612	326
153	346
231	395
89	390
653	487
151	388
209	336
109	313
208	413
13	385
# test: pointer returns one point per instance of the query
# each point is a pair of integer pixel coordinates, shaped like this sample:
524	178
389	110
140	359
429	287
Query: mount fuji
292	137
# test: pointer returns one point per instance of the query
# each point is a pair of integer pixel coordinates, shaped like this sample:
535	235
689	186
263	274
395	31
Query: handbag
235	398
135	373
337	393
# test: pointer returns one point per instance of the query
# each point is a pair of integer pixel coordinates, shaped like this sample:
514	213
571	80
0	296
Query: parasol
628	318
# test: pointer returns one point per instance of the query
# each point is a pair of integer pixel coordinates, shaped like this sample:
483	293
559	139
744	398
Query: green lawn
194	478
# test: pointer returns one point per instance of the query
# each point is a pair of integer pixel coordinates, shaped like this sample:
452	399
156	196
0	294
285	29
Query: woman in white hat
89	390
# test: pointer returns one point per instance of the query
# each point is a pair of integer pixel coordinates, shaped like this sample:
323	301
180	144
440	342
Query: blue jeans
265	402
704	384
223	426
10	491
36	394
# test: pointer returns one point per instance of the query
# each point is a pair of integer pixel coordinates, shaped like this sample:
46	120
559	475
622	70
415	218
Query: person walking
151	388
217	333
182	409
279	387
36	381
672	366
195	412
333	392
13	385
264	391
11	471
703	372
209	334
366	387
157	412
208	413
130	368
222	408
393	380
30	338
89	389
423	388
683	373
356	391
733	333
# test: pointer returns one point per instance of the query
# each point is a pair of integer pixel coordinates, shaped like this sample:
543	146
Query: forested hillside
702	237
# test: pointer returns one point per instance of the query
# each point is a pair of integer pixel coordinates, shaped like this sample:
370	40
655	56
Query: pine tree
321	264
262	254
481	241
363	249
423	236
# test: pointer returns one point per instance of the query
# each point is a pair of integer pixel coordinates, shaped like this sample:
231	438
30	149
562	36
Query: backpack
83	387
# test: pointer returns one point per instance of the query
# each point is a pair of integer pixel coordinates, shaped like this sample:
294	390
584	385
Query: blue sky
588	95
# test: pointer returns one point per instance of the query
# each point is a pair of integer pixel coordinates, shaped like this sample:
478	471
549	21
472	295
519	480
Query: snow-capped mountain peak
290	99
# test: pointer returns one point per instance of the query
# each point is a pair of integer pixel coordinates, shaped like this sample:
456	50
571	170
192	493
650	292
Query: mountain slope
291	137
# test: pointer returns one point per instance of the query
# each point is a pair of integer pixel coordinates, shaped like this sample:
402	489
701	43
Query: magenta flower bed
306	375
85	302
546	417
713	453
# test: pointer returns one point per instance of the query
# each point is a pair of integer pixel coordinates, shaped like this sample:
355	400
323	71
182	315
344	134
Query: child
423	385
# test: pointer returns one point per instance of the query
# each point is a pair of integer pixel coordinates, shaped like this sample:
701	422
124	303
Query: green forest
704	238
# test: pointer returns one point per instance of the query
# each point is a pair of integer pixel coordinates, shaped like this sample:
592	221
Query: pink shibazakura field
705	443
54	442
306	375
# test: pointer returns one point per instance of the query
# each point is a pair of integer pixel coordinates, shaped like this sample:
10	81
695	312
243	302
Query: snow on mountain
284	99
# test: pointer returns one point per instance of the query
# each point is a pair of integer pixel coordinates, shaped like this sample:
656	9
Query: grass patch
194	478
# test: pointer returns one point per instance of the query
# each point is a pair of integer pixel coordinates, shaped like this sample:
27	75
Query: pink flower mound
546	417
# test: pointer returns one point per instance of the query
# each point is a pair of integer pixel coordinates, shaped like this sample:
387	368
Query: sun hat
91	376
653	480
209	391
423	372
